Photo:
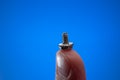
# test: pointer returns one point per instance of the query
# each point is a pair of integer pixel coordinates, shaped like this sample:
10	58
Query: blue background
30	31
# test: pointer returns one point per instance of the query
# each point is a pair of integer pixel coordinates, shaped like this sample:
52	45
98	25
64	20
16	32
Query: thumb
69	66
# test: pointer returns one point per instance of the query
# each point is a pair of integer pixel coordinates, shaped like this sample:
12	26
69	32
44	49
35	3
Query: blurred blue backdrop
30	31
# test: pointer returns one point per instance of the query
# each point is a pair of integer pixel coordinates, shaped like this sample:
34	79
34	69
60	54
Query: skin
69	66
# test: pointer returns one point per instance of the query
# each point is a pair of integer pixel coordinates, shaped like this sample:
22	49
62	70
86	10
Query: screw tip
65	38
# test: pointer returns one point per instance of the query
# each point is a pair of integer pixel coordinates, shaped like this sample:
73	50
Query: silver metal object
65	44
